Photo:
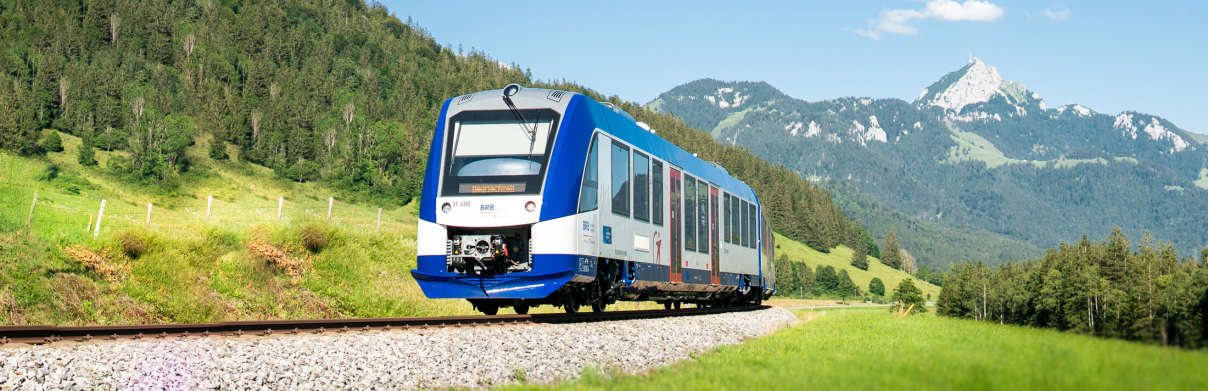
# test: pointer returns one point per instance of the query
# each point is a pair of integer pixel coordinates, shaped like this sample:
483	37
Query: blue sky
1109	56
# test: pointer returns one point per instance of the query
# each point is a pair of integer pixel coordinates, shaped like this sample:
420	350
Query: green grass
1203	180
872	350
196	269
840	258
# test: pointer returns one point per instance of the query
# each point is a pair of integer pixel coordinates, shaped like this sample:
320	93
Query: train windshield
498	152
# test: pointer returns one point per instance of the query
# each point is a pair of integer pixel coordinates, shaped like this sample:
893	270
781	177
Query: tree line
340	93
1108	288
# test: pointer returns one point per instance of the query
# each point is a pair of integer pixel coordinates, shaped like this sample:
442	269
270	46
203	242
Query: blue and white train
543	197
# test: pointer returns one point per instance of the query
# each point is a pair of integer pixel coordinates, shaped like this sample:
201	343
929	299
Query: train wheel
667	305
571	306
489	309
677	305
598	307
521	309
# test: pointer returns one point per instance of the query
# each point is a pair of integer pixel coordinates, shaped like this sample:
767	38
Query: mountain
973	153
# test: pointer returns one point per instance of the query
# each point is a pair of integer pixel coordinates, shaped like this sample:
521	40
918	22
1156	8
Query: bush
52	142
876	287
313	238
132	244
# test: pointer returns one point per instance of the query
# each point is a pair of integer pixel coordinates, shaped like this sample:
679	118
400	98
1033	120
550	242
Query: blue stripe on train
550	272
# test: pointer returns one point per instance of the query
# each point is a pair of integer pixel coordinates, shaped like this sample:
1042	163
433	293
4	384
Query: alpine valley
975	168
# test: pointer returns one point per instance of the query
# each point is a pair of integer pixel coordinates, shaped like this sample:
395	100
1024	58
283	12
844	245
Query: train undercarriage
611	286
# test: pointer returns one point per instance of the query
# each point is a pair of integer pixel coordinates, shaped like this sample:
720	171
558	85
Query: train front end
485	230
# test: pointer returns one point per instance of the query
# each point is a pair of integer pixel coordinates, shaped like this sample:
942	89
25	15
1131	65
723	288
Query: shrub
313	238
52	142
132	244
876	287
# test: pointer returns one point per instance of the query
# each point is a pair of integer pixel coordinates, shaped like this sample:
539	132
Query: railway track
37	335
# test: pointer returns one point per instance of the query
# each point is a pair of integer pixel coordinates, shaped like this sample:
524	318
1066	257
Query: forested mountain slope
974	152
341	93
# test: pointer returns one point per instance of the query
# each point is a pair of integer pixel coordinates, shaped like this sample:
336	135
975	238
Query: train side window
620	179
689	212
656	191
702	209
751	221
641	186
591	178
735	223
742	222
725	234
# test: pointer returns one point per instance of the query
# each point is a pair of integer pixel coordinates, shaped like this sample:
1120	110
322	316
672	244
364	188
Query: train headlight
530	206
446	207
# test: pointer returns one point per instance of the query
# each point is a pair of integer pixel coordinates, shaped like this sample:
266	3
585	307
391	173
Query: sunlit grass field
873	350
840	258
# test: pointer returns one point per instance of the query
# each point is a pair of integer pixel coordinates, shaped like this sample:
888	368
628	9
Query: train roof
628	130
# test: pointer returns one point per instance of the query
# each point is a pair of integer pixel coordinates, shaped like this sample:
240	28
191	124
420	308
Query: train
537	197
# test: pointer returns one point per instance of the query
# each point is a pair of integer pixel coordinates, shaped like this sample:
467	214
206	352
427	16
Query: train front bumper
550	272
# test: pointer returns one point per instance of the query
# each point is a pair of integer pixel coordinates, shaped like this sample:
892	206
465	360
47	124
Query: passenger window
591	178
745	227
689	213
725	234
656	192
702	209
620	179
641	187
751	222
733	220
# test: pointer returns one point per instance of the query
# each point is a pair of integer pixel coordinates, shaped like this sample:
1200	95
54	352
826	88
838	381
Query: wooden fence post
379	227
331	202
30	222
99	215
148	215
280	204
90	216
209	204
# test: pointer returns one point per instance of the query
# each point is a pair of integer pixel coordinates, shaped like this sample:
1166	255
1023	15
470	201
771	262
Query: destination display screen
491	188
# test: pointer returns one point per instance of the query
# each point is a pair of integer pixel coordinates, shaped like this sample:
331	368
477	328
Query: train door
713	236
676	247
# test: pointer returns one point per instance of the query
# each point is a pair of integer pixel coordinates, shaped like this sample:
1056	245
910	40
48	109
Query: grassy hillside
240	264
872	350
840	258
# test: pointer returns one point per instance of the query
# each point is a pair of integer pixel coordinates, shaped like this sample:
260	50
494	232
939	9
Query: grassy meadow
873	350
840	258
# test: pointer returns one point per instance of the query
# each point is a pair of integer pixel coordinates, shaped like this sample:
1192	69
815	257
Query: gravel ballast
400	359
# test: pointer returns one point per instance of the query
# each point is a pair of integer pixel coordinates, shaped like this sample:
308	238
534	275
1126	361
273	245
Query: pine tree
858	258
907	294
846	287
87	154
218	147
876	287
869	244
890	255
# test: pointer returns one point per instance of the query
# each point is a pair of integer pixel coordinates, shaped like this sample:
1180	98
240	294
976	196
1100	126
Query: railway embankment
476	357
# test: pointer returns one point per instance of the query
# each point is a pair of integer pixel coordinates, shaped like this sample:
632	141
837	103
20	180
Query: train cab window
702	210
689	213
591	178
656	191
725	234
492	152
742	221
641	187
620	179
751	221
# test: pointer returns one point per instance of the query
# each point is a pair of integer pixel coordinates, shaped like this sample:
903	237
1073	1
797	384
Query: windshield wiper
530	133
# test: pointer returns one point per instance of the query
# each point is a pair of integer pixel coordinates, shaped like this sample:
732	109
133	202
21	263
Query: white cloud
902	21
1056	15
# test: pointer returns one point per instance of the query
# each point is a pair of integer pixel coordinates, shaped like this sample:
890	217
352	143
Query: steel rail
37	335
